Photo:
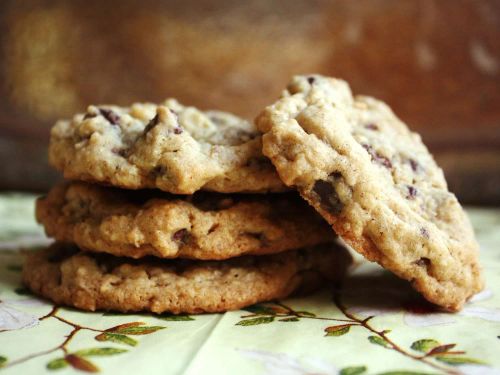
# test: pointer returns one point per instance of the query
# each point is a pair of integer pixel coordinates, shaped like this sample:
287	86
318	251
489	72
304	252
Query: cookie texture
202	226
68	276
376	183
171	147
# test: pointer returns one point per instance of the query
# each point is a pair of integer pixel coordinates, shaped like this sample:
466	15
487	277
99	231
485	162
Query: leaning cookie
168	146
67	276
203	226
376	183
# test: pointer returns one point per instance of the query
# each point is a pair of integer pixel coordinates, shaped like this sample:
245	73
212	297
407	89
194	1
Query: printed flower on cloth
13	317
422	314
284	364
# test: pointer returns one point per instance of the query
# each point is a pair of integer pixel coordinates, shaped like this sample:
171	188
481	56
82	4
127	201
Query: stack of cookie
350	158
173	209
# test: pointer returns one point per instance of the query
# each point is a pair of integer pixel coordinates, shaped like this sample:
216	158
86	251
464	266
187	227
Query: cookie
68	276
168	146
203	226
376	183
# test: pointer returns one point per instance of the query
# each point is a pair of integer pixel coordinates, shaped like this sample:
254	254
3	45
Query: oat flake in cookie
376	183
171	147
202	226
92	282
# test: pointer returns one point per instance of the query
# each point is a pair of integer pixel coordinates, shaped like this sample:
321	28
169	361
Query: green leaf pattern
456	361
143	330
117	338
377	340
256	321
175	318
424	345
57	364
93	352
354	370
339	330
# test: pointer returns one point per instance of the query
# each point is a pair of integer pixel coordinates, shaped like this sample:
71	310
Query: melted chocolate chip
380	159
414	165
328	197
425	233
371	126
178	130
181	236
213	228
423	262
123	152
151	124
311	80
158	171
174	113
109	115
384	161
412	192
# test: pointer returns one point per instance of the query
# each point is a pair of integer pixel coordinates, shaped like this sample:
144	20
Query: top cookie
168	146
376	184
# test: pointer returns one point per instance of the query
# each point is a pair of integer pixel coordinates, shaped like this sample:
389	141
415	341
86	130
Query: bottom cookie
69	276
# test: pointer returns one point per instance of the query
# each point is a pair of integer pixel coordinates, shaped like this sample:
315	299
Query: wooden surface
437	63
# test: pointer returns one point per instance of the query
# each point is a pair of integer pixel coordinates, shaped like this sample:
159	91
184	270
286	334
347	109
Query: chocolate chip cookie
376	183
89	281
203	226
171	147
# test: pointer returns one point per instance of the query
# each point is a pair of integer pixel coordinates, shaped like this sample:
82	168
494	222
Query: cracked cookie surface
203	226
376	183
169	146
87	281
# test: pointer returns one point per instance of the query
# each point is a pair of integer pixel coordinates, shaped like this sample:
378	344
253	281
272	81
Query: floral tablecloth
374	324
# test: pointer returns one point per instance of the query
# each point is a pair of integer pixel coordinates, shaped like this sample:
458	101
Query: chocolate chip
109	115
181	236
380	159
158	171
414	165
151	124
384	161
311	80
123	152
371	126
423	262
412	192
178	130
213	228
424	232
328	197
174	113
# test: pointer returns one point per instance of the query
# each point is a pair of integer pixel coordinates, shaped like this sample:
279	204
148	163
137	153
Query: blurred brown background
436	62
